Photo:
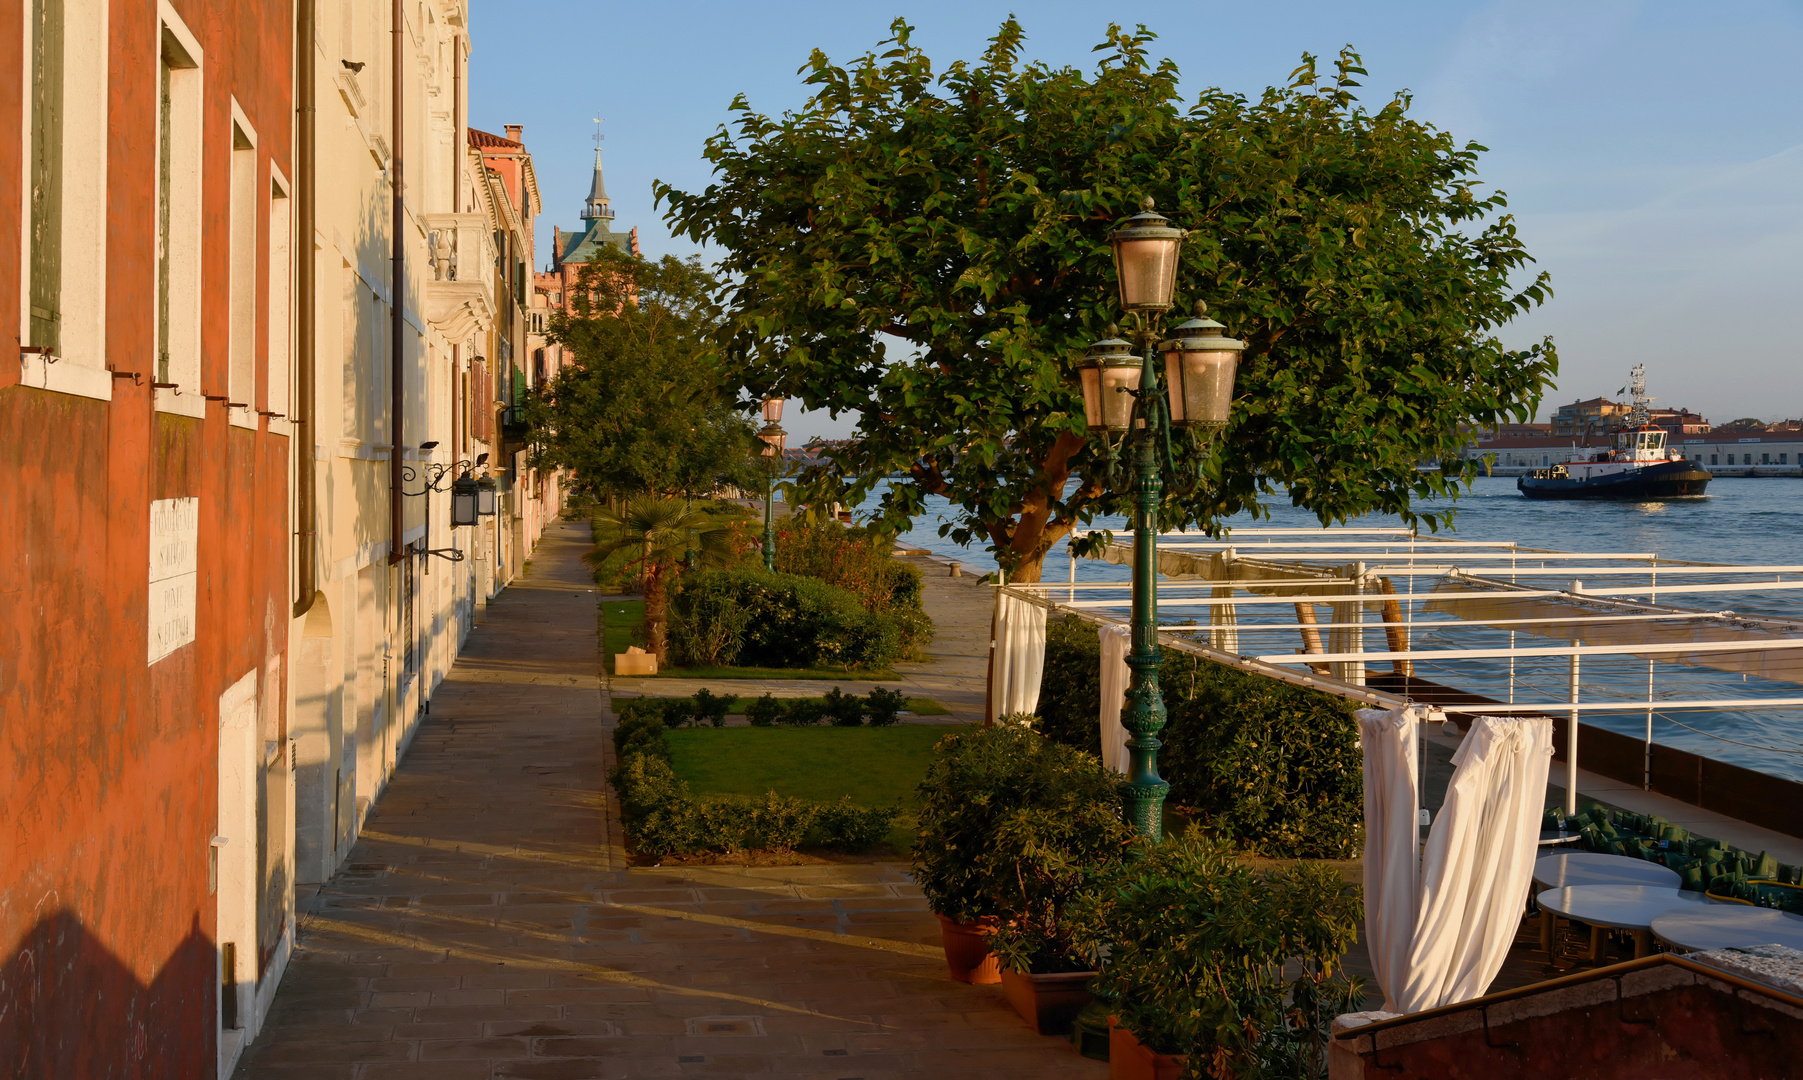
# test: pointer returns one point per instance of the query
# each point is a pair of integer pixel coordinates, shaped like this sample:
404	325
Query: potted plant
1197	943
977	779
1044	859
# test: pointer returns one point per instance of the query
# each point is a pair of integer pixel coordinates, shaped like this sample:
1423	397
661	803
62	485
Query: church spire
596	208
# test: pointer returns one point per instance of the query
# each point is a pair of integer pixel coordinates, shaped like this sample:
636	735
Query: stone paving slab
488	923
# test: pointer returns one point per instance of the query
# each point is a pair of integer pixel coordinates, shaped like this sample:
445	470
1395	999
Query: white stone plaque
174	573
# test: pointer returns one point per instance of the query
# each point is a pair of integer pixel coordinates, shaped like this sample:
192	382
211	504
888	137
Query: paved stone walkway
487	923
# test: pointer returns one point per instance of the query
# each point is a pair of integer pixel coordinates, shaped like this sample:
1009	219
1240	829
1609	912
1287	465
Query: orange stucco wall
108	773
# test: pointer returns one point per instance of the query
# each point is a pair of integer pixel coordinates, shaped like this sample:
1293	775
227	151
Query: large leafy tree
648	406
930	250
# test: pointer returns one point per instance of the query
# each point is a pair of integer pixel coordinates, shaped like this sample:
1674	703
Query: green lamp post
775	441
1128	399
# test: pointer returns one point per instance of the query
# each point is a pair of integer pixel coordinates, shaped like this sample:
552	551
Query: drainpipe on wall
459	139
306	482
398	291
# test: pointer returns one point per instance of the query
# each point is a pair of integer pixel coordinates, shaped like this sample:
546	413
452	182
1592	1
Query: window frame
180	194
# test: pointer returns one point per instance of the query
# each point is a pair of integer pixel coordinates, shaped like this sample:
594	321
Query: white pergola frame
1317	558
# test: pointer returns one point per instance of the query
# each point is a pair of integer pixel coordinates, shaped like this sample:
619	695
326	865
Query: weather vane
599	120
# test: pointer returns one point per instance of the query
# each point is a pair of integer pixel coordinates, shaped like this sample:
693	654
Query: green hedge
861	562
664	819
1275	768
751	617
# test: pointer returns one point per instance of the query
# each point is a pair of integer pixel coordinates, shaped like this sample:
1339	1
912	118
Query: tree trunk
656	624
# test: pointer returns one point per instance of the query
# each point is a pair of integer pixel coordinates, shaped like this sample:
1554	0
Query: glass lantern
464	496
1145	260
1200	363
1109	369
775	438
773	410
485	496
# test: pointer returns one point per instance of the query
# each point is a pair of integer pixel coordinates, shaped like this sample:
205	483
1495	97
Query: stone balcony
460	296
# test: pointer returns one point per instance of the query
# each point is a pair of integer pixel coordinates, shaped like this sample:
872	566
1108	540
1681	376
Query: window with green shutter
165	144
46	239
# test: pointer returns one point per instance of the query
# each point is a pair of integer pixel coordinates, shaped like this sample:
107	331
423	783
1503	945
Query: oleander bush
787	621
1275	768
861	562
1201	954
970	838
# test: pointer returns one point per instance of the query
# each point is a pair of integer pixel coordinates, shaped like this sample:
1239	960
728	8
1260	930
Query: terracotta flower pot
1128	1058
1048	1002
967	954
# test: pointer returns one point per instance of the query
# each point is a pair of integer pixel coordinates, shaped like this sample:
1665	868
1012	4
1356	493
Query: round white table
1616	907
1727	926
1569	868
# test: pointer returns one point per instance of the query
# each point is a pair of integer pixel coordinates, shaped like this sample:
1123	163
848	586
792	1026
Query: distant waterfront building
1600	417
571	250
1597	416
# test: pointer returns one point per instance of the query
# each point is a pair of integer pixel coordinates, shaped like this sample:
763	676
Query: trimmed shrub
850	827
803	712
711	708
843	710
1272	767
883	706
765	711
790	621
641	732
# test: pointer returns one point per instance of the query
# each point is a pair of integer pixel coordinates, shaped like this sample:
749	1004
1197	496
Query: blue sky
1652	152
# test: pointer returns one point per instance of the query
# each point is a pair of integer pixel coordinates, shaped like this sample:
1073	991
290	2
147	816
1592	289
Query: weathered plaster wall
108	774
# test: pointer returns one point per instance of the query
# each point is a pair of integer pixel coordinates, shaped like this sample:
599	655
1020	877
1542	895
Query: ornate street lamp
1131	398
775	441
485	496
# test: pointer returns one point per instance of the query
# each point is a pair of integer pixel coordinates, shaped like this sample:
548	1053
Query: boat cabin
1641	438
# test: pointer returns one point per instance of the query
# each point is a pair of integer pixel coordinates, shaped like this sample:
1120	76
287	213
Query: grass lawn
625	626
875	766
919	706
814	674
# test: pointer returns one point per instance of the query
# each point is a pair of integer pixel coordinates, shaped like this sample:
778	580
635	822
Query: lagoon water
1747	521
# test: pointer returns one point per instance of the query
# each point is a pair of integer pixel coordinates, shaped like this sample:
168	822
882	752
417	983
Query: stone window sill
63	376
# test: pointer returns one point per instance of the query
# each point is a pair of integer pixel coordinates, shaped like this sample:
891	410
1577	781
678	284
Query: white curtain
1439	928
1479	862
1390	742
1116	641
1019	655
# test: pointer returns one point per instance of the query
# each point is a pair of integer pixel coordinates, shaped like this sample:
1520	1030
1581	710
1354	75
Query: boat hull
1665	480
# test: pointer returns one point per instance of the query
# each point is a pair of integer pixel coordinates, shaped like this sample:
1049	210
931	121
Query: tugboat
1638	466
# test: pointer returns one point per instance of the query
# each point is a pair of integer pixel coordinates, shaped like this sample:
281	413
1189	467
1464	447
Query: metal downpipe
306	493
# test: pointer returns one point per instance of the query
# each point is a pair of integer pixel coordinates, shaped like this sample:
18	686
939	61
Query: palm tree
665	531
